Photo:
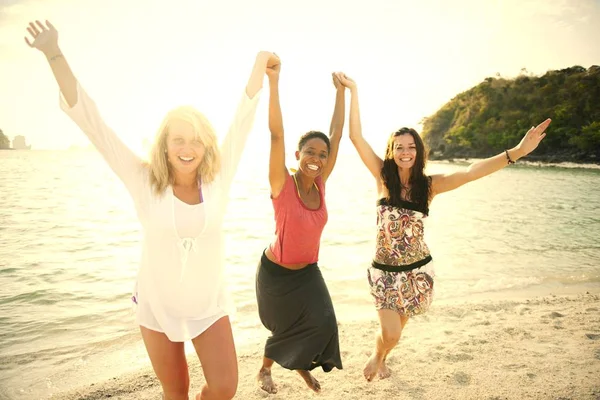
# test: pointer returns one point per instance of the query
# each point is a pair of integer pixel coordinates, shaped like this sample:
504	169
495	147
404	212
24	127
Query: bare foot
265	381
384	371
310	380
372	366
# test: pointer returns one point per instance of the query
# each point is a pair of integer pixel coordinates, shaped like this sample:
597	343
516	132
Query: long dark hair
419	182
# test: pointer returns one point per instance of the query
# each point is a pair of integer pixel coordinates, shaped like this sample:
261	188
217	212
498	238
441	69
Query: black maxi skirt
296	307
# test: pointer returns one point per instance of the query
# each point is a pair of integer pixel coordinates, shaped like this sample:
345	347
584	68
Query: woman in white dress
180	197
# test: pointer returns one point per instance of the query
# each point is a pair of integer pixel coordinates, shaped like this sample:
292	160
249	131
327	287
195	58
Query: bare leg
169	364
391	329
216	350
384	370
310	380
265	381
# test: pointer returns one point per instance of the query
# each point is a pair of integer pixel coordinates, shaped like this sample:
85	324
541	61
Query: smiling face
404	150
185	150
313	157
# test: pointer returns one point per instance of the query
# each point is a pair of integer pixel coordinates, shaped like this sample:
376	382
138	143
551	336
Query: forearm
255	81
482	168
355	125
275	116
339	111
63	75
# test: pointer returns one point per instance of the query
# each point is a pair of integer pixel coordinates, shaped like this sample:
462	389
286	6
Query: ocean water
69	250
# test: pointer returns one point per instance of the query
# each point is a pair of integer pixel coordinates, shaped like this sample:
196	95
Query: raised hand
45	38
273	66
336	80
346	81
533	137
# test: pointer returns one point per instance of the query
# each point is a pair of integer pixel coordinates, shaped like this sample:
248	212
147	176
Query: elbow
252	89
276	135
470	175
336	133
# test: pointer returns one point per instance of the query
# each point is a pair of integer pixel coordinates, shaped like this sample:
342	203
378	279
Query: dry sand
541	348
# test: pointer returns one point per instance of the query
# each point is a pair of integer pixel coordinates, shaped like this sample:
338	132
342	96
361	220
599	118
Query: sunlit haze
138	59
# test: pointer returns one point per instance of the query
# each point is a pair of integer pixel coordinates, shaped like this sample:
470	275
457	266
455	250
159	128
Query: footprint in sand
555	314
598	354
558	325
592	336
461	378
458	357
522	310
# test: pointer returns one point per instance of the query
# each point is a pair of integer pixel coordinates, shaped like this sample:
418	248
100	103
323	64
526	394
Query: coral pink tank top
297	228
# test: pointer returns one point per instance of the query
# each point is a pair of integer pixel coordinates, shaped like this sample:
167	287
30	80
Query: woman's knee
390	336
179	392
224	389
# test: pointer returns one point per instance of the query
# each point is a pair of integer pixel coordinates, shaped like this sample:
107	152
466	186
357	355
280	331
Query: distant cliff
19	143
495	115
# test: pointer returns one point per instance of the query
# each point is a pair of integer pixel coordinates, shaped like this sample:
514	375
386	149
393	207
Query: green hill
4	142
495	115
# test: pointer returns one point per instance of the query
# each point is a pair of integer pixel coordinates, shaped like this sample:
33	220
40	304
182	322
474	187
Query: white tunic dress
180	284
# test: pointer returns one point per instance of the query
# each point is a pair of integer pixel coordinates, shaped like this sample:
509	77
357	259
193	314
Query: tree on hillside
4	142
496	113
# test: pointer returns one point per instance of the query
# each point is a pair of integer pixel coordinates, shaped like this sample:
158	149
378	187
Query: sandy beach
538	348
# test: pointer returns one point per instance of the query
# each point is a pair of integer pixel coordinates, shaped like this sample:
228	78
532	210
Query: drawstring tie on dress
185	246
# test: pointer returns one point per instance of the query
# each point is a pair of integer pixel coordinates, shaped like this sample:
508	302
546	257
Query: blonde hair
161	175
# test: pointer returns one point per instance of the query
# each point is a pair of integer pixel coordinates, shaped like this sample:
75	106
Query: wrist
516	153
52	51
263	56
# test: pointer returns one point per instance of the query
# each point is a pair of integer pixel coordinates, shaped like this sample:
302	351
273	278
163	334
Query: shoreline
529	161
538	347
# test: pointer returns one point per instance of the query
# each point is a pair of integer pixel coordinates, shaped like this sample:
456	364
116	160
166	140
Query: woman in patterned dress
401	276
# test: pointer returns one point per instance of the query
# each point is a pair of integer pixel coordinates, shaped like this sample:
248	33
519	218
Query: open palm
533	137
45	38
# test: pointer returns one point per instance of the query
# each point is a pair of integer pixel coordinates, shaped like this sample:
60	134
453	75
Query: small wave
25	297
566	165
499	284
569	165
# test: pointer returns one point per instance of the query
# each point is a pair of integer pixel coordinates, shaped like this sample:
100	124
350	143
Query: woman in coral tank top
293	300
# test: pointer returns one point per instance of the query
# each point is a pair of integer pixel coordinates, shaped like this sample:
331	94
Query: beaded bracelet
510	161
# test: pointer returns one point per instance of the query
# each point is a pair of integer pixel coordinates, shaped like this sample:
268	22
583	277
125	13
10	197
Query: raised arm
45	39
82	109
371	160
337	123
444	183
235	141
277	170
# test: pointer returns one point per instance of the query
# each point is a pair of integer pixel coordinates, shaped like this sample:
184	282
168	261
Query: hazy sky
139	58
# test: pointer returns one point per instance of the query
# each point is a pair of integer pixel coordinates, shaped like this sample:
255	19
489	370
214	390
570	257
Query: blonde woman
180	198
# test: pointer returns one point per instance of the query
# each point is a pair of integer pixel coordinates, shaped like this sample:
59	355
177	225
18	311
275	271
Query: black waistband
401	268
281	270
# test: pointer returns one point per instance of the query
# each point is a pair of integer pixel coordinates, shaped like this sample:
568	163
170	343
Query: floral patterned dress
401	275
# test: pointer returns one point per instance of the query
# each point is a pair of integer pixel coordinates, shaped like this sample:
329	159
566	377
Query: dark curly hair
312	135
420	185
